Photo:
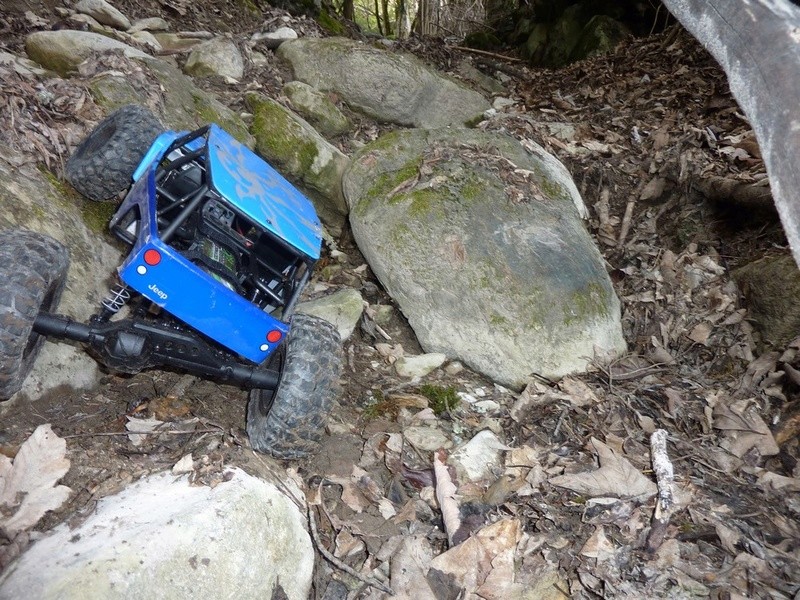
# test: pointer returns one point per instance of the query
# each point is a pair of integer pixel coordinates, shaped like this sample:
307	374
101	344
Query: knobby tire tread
308	387
101	168
33	271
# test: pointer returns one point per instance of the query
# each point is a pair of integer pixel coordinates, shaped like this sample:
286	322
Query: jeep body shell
159	272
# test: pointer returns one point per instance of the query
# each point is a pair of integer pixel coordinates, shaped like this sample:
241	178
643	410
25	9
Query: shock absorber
116	299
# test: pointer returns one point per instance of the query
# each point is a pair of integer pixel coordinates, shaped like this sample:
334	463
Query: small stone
149	24
342	308
427	439
148	39
475	459
104	13
486	406
258	59
273	39
420	365
217	56
500	103
454	367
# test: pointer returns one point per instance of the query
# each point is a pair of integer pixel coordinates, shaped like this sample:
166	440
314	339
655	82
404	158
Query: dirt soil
650	134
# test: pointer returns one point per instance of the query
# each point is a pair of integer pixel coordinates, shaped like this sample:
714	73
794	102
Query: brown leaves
28	486
615	477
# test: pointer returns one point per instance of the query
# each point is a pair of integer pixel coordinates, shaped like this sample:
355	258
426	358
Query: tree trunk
378	18
756	43
403	27
348	10
387	24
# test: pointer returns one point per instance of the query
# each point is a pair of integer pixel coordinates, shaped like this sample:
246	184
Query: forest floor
650	134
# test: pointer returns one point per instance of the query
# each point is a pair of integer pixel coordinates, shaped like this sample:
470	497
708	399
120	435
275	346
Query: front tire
288	422
103	163
33	271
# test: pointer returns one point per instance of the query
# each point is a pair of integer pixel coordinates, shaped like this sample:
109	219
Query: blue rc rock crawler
221	248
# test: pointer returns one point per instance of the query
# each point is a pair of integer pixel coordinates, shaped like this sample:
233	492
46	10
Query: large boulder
395	88
63	50
163	537
316	108
756	44
31	200
480	243
133	77
218	56
296	149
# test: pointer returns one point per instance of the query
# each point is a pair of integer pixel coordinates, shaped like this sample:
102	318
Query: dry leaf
184	465
598	546
615	477
700	333
29	484
141	426
409	565
471	563
744	429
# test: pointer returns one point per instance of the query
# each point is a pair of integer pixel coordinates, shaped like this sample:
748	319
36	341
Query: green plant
442	399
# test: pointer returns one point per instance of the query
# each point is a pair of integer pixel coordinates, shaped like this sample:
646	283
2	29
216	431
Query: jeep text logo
157	291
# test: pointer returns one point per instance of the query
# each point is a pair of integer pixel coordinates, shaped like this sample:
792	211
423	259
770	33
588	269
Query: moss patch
207	113
442	399
592	301
330	24
96	215
384	184
278	136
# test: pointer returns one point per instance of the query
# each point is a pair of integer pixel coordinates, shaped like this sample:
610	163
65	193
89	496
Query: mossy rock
293	147
470	253
771	287
482	40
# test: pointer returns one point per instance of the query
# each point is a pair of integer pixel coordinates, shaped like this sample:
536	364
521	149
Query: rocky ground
651	136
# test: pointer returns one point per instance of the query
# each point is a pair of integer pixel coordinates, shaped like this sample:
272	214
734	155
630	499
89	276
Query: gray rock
22	66
426	439
81	21
149	24
273	39
164	538
317	108
503	277
173	42
342	308
488	84
104	13
29	200
148	39
218	56
62	51
294	147
771	286
389	87
477	458
419	365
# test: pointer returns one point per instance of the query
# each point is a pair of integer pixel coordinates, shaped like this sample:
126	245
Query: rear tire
33	270
288	422
103	164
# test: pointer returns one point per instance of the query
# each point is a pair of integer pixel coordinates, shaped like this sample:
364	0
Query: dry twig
371	581
663	469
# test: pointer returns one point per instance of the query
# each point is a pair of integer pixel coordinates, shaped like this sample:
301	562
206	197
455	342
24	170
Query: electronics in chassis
221	249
